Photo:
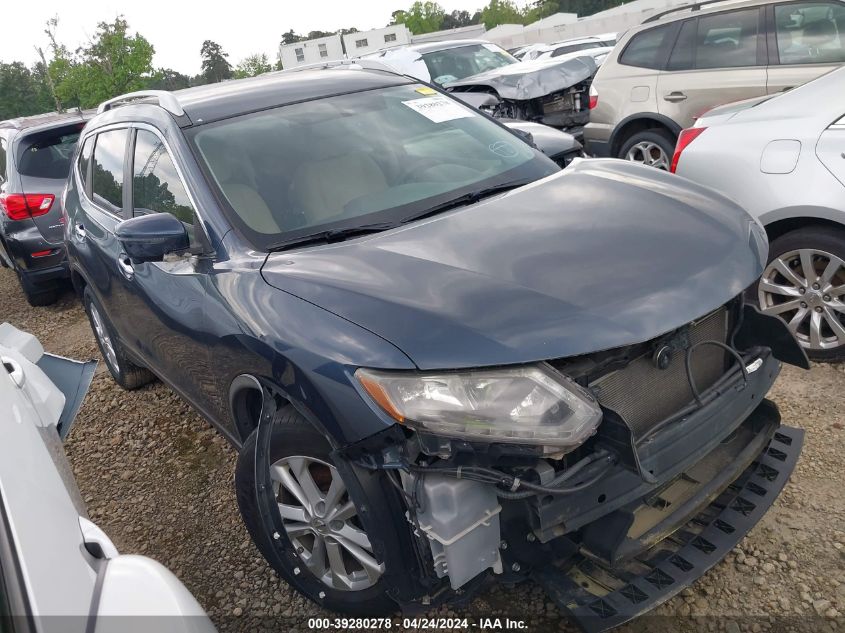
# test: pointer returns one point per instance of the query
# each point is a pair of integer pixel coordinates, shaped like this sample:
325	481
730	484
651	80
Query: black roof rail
684	7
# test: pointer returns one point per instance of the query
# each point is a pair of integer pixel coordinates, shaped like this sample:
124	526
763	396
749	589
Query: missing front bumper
599	597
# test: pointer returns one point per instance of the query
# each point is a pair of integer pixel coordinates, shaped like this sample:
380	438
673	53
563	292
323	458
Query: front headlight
523	405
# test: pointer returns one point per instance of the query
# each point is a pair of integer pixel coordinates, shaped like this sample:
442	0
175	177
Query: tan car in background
682	62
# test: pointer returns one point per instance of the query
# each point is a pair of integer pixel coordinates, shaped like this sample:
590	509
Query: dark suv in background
35	154
443	358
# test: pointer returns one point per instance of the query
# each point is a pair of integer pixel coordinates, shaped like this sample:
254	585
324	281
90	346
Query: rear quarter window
2	160
84	164
646	49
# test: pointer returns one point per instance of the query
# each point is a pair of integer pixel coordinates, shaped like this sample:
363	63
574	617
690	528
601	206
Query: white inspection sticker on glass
439	109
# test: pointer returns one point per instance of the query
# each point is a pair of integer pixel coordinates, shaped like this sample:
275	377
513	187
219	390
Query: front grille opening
648	389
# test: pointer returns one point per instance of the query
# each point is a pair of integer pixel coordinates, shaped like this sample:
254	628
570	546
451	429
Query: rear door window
645	49
683	54
810	32
727	40
107	176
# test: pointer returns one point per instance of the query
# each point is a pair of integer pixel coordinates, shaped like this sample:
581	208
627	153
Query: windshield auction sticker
439	109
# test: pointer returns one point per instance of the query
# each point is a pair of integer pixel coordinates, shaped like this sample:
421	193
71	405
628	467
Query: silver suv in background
786	167
35	155
683	62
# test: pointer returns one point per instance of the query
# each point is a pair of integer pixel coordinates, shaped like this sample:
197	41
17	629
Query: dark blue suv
444	359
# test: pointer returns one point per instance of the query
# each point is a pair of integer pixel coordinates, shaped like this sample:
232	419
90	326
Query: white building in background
363	42
507	35
562	26
472	32
556	27
323	49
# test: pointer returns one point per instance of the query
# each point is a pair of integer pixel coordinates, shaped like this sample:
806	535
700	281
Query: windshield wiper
331	235
468	198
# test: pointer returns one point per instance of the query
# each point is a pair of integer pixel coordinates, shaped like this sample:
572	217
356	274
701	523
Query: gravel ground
159	480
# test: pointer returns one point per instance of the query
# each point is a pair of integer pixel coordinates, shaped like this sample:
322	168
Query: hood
532	79
603	254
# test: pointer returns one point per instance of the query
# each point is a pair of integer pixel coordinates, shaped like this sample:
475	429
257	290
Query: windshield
352	160
457	63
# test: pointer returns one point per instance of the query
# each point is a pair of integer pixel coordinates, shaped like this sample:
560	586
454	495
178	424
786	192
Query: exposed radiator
644	395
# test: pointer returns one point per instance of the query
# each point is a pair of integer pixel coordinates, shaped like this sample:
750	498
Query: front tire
653	148
804	284
327	555
125	373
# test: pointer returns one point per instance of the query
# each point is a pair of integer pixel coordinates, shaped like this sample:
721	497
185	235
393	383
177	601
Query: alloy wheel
322	523
103	336
648	153
806	287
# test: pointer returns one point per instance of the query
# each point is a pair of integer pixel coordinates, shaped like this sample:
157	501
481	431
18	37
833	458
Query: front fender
307	353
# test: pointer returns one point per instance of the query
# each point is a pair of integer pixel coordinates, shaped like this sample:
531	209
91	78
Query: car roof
683	11
578	40
212	102
46	121
431	47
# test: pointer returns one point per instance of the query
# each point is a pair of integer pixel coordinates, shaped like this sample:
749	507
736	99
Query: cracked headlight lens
521	405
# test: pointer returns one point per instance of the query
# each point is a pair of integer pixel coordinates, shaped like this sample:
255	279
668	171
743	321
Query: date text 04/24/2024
489	624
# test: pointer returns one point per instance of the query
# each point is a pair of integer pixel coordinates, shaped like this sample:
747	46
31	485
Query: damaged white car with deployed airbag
553	91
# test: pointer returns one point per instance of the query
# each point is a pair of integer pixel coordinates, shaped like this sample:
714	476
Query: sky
177	28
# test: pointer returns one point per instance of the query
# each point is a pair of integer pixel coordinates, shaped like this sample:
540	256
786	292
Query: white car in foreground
783	158
58	570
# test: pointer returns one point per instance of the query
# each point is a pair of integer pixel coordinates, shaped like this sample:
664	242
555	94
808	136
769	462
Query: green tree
457	19
22	91
544	8
252	66
114	63
215	66
291	38
501	12
313	35
169	79
422	17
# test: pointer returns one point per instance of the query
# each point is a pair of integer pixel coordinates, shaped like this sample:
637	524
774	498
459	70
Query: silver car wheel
806	287
322	523
648	153
103	337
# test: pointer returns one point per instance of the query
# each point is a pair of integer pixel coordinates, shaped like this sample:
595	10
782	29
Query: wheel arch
78	281
782	221
640	122
248	400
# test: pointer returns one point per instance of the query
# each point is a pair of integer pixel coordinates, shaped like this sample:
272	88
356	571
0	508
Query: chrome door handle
125	266
674	97
80	232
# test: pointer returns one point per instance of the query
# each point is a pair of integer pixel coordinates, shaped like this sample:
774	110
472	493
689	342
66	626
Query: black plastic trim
698	553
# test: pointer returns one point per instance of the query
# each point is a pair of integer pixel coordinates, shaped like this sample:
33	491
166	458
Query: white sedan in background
782	157
58	570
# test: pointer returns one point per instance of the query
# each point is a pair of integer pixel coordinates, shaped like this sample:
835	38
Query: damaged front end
551	92
656	459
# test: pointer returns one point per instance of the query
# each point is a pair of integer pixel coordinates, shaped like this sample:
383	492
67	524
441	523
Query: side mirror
148	238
